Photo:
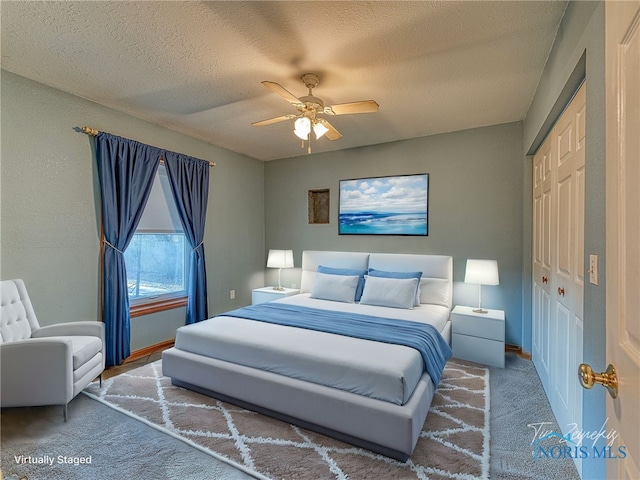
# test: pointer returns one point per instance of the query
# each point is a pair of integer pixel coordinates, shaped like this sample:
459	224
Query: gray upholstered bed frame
382	427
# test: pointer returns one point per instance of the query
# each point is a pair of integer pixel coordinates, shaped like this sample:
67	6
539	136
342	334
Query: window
156	265
157	258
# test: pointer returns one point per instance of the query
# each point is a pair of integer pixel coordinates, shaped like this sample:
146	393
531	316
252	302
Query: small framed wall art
318	203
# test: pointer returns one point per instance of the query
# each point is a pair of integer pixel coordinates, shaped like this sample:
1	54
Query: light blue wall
475	206
50	204
579	51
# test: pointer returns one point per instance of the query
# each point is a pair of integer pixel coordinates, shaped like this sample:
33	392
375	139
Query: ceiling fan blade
280	90
269	121
366	106
332	133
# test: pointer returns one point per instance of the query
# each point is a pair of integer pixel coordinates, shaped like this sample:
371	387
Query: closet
558	262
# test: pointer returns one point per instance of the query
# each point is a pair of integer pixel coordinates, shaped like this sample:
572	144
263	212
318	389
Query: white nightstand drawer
479	350
486	328
485	325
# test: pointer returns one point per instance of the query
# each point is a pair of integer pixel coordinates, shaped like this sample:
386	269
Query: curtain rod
93	132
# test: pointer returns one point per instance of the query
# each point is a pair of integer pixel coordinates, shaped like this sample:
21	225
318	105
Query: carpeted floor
517	401
117	446
454	442
122	447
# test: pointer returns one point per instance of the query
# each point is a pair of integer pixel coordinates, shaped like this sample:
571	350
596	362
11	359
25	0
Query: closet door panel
542	246
561	400
558	262
564	255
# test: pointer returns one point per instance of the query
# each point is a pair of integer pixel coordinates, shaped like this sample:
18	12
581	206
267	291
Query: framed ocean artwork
396	205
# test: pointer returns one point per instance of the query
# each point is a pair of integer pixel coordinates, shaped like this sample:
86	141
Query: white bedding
435	315
378	370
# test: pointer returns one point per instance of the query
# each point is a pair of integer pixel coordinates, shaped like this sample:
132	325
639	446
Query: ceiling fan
309	107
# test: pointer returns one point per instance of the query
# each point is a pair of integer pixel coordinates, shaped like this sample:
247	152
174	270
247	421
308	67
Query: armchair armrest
36	372
88	328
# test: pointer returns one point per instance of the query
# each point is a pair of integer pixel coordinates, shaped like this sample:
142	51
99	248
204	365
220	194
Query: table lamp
280	259
481	272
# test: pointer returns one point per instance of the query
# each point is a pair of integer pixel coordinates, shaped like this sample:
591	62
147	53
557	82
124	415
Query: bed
370	391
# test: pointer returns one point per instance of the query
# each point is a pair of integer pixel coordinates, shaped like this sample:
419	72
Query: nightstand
478	337
268	294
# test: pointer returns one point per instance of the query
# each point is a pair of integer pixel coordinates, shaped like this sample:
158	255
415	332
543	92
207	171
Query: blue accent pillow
348	272
381	273
384	274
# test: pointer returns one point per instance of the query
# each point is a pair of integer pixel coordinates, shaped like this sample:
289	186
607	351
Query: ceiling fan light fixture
309	107
302	127
319	129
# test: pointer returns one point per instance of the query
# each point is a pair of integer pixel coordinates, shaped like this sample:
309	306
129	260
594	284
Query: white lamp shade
280	259
482	272
302	127
319	129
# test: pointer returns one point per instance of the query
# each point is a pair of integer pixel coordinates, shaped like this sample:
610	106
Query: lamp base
480	310
280	289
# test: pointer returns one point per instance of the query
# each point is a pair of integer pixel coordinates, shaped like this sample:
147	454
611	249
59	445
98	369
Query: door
541	335
568	260
622	33
558	261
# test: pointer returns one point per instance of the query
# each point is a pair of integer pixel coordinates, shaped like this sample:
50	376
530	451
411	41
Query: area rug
454	442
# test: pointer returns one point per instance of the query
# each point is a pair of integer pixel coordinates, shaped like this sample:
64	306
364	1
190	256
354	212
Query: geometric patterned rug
454	442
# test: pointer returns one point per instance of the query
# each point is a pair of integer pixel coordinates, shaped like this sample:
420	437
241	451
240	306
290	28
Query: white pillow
339	288
435	291
389	292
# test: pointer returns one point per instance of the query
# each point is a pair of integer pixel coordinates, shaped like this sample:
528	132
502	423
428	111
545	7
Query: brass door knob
545	279
608	378
561	291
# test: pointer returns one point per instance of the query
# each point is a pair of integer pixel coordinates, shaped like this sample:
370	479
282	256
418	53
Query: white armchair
44	365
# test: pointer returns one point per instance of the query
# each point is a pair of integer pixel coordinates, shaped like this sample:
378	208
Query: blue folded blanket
423	337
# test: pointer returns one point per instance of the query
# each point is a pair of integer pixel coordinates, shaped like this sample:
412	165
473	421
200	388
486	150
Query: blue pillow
348	272
383	274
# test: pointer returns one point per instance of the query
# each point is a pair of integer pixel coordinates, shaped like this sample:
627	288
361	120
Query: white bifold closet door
558	262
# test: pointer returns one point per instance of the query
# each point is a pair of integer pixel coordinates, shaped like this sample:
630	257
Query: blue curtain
189	180
126	170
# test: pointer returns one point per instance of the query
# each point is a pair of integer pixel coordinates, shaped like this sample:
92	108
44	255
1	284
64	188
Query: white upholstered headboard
437	270
312	259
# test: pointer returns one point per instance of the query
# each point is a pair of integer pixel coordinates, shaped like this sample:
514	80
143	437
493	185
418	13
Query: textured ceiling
196	67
